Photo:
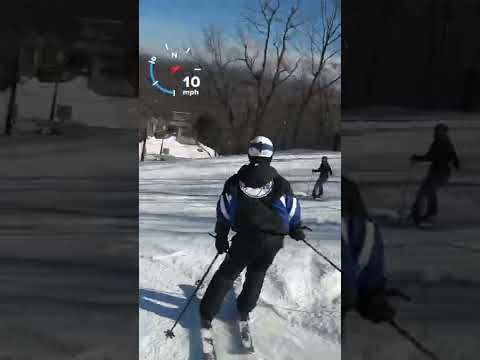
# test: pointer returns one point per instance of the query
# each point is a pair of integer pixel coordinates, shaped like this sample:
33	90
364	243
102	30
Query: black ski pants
318	188
256	253
428	192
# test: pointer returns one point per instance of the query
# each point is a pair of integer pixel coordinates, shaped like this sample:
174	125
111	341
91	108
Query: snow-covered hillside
175	149
298	316
34	100
69	241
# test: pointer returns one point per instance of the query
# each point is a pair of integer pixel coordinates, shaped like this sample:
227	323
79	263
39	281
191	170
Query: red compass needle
174	69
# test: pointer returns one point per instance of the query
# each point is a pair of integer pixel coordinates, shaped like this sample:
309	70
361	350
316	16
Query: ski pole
318	252
414	341
323	256
310	184
403	205
169	333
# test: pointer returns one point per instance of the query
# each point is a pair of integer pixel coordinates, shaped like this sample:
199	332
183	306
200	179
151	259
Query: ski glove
221	243
375	307
297	233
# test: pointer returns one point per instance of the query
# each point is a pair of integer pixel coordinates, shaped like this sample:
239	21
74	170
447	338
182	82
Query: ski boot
245	335
208	345
244	316
206	324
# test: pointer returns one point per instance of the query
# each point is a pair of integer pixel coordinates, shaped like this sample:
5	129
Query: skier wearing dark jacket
441	154
325	171
258	204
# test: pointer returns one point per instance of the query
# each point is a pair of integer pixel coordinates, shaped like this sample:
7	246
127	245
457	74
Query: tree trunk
144	147
13	92
255	127
161	149
298	125
10	111
54	102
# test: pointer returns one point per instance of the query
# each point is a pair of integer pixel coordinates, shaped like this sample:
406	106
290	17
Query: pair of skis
246	337
208	345
245	334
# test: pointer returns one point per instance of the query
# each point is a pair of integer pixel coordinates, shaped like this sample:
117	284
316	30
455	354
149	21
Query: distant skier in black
441	154
258	204
325	171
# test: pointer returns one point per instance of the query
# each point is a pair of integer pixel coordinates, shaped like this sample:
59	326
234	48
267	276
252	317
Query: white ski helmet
260	146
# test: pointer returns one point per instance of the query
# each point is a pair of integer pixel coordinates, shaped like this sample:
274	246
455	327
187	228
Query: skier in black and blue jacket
363	268
259	205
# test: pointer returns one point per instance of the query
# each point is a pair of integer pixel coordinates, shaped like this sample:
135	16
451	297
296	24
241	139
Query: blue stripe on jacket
291	218
225	211
370	274
290	211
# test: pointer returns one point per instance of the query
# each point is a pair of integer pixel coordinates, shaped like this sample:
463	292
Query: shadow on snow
168	305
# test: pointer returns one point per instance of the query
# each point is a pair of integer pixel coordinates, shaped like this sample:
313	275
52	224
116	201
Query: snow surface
69	245
34	99
298	315
175	148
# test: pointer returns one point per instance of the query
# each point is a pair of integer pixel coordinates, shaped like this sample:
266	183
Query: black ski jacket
441	153
324	169
257	200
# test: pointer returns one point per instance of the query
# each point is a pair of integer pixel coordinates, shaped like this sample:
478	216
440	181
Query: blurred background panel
69	183
407	68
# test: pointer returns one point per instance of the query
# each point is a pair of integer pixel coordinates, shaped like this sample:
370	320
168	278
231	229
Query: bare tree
10	110
322	47
9	74
246	81
218	70
273	29
144	136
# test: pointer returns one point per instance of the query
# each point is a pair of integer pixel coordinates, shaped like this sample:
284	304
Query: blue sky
180	22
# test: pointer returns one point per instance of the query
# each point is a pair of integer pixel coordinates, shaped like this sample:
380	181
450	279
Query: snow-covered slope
34	99
175	149
69	241
298	316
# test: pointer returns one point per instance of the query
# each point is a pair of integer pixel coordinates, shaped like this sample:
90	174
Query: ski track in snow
298	315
